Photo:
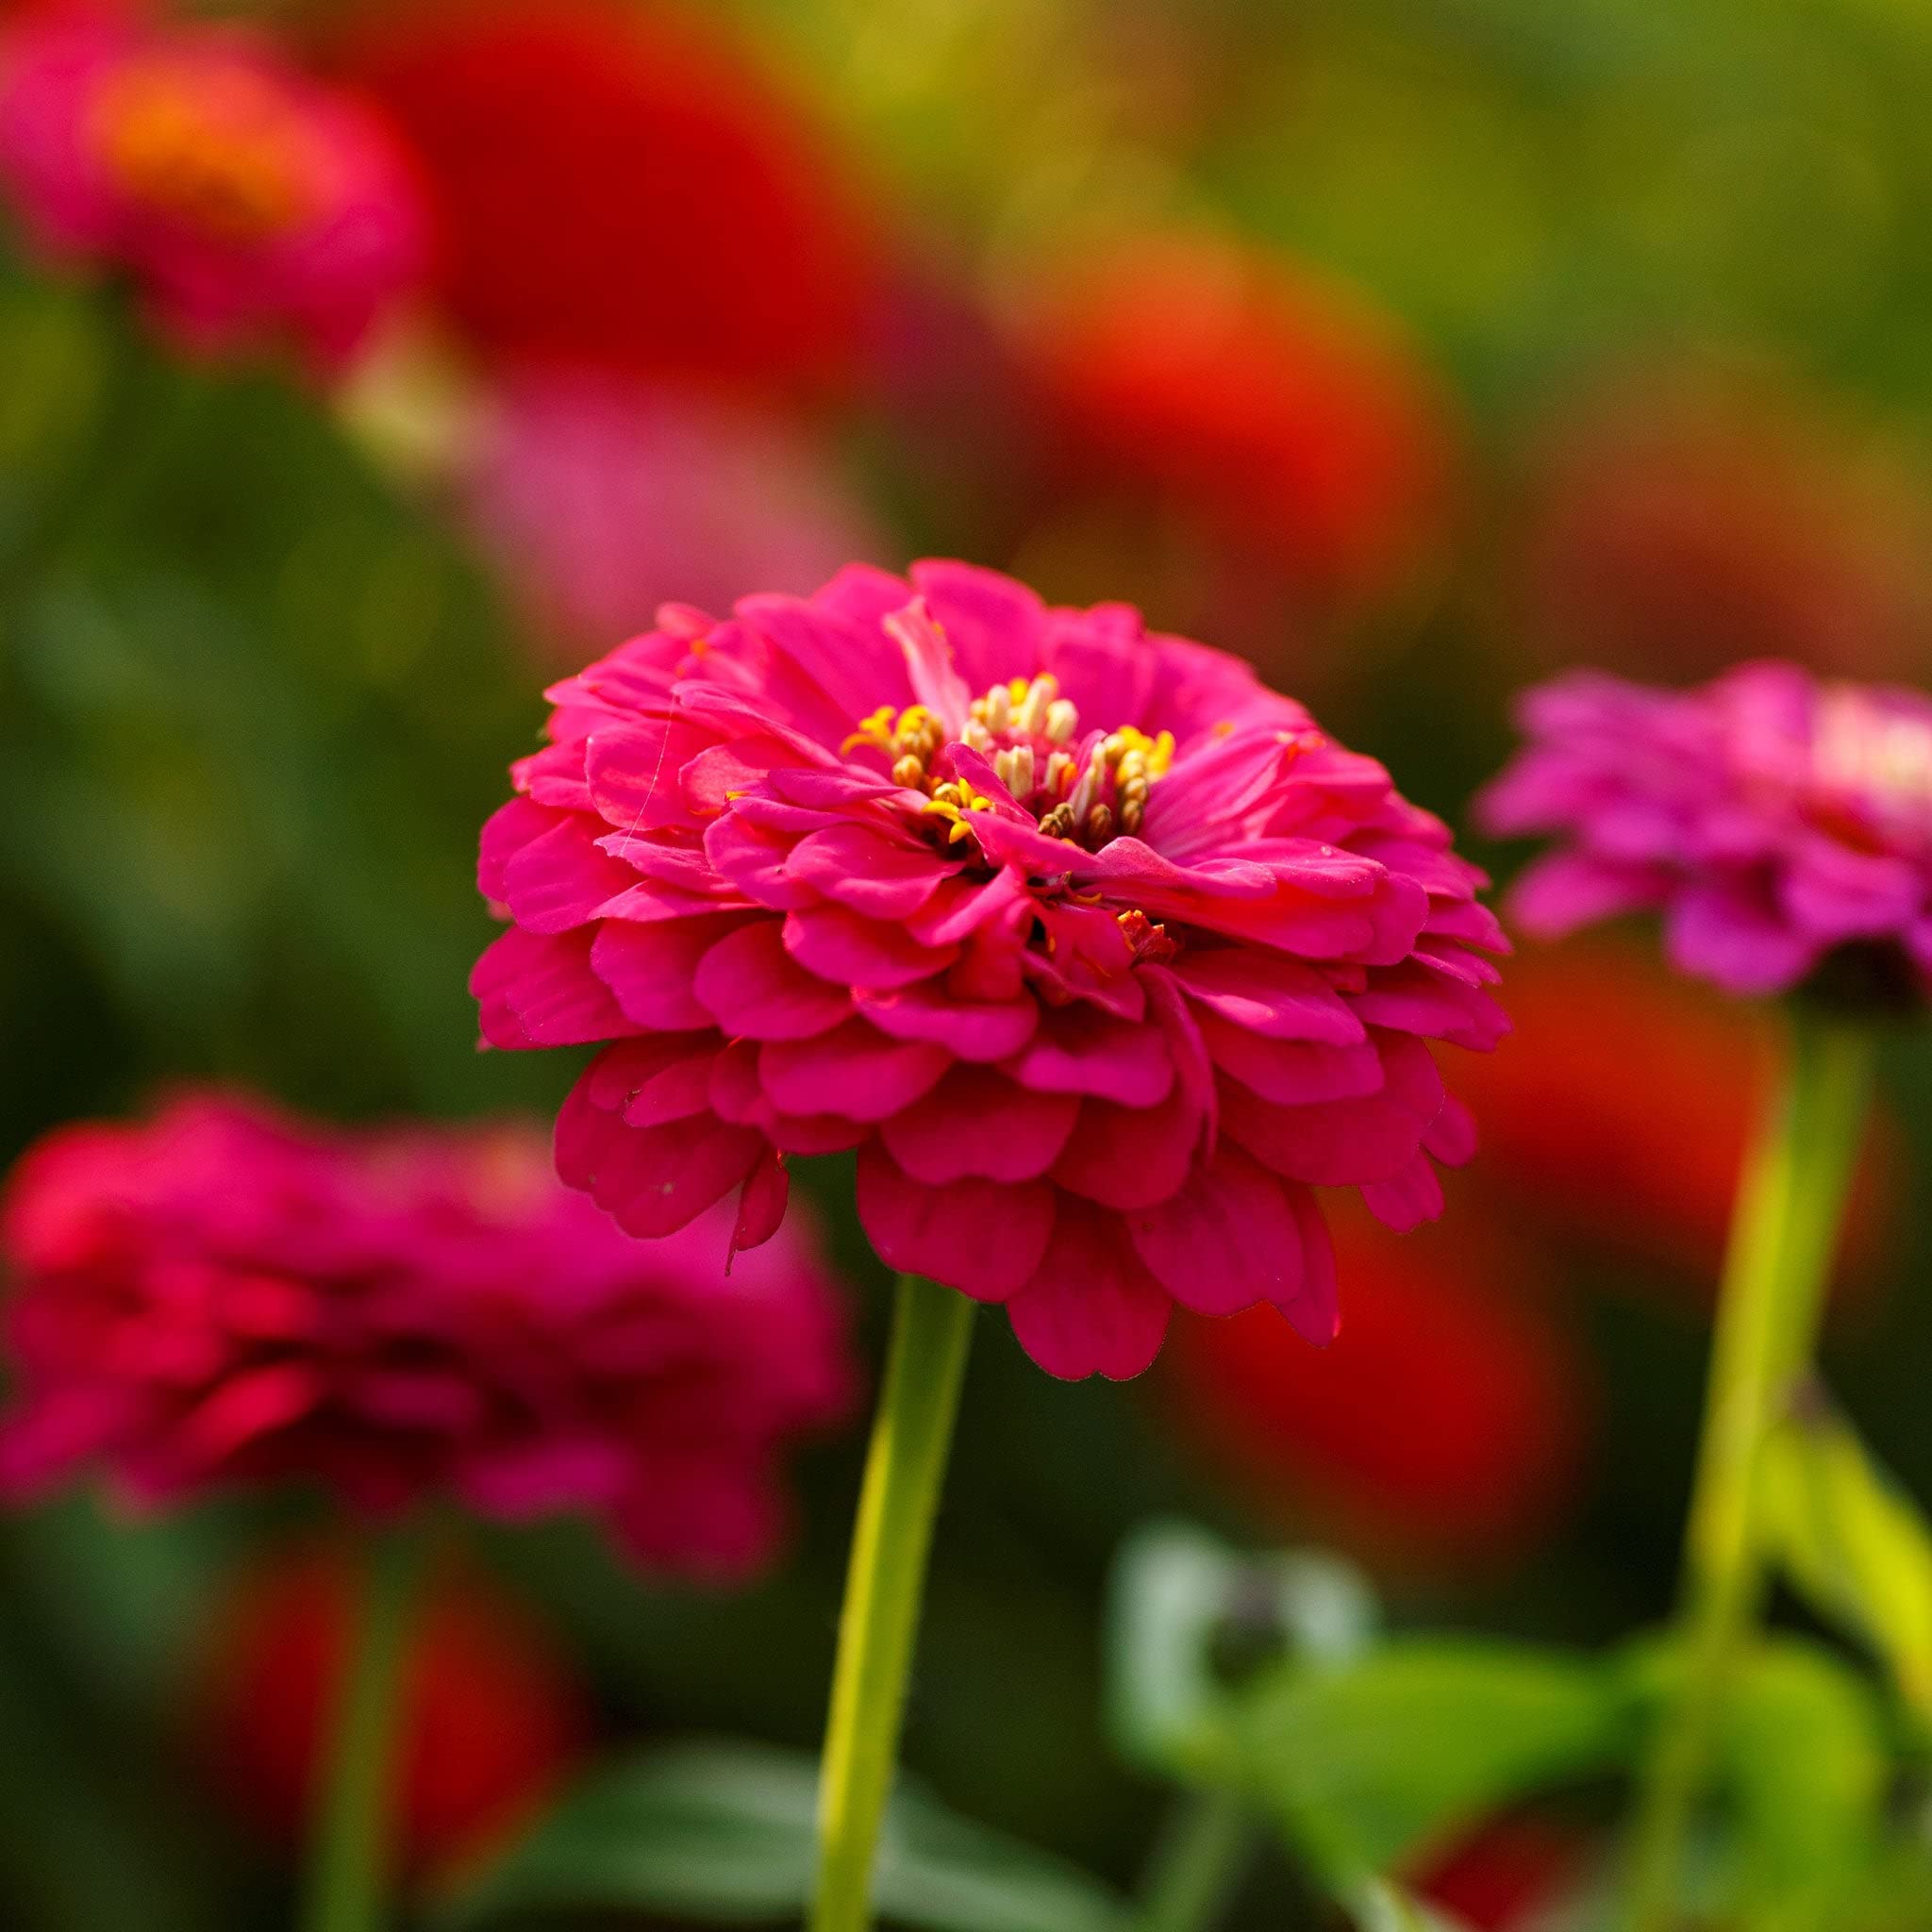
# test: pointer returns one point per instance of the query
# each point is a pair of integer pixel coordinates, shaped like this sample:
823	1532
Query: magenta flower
221	1297
1098	953
1772	820
243	199
597	492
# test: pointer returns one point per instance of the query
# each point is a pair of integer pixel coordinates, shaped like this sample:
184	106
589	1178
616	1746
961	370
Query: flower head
223	1297
1100	953
624	190
1774	821
242	198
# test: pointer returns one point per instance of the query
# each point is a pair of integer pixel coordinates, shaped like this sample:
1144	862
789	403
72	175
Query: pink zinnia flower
597	490
1098	951
1772	819
221	1296
244	200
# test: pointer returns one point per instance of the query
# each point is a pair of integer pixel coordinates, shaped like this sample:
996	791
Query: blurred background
1411	350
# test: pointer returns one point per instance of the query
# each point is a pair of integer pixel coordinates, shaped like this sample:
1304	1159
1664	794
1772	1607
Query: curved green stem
911	1435
1783	1233
1198	1865
348	1854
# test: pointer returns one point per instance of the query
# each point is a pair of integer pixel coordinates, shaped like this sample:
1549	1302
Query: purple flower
1770	819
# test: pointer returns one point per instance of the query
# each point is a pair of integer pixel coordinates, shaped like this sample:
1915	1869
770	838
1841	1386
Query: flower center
1087	788
1871	768
219	149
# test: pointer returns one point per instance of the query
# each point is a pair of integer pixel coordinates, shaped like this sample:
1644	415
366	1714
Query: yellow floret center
1032	737
221	150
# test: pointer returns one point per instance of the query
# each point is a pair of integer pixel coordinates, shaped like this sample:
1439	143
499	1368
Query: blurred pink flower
604	496
223	1296
244	200
1772	819
1099	952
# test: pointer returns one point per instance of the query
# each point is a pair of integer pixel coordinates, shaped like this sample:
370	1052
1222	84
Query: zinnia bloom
491	1716
1447	1423
624	191
1099	952
224	1297
1773	820
244	200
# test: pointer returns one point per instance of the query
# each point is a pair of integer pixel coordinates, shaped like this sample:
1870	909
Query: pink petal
1729	935
1227	1240
1129	1156
852	1069
560	879
534	990
855	951
1316	1311
633	771
970	1030
1292	1072
1332	1144
760	1207
1080	1051
980	1237
1410	1196
752	986
653	1180
1276	997
976	1121
872	875
1092	1307
650	970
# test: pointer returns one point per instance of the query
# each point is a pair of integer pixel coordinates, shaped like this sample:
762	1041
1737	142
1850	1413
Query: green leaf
725	1832
1807	1771
1365	1767
1176	1592
1854	1543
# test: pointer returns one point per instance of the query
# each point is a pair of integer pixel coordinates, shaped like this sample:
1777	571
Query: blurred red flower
493	1716
1680	524
624	189
1619	1110
1446	1422
1502	1874
1279	408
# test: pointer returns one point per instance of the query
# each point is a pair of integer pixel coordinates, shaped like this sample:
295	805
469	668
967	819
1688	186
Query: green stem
912	1432
348	1854
1198	1866
1784	1231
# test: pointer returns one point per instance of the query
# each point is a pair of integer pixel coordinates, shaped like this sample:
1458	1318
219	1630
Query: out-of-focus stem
1783	1233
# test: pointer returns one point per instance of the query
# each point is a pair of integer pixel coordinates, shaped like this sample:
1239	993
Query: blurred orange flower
493	1716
